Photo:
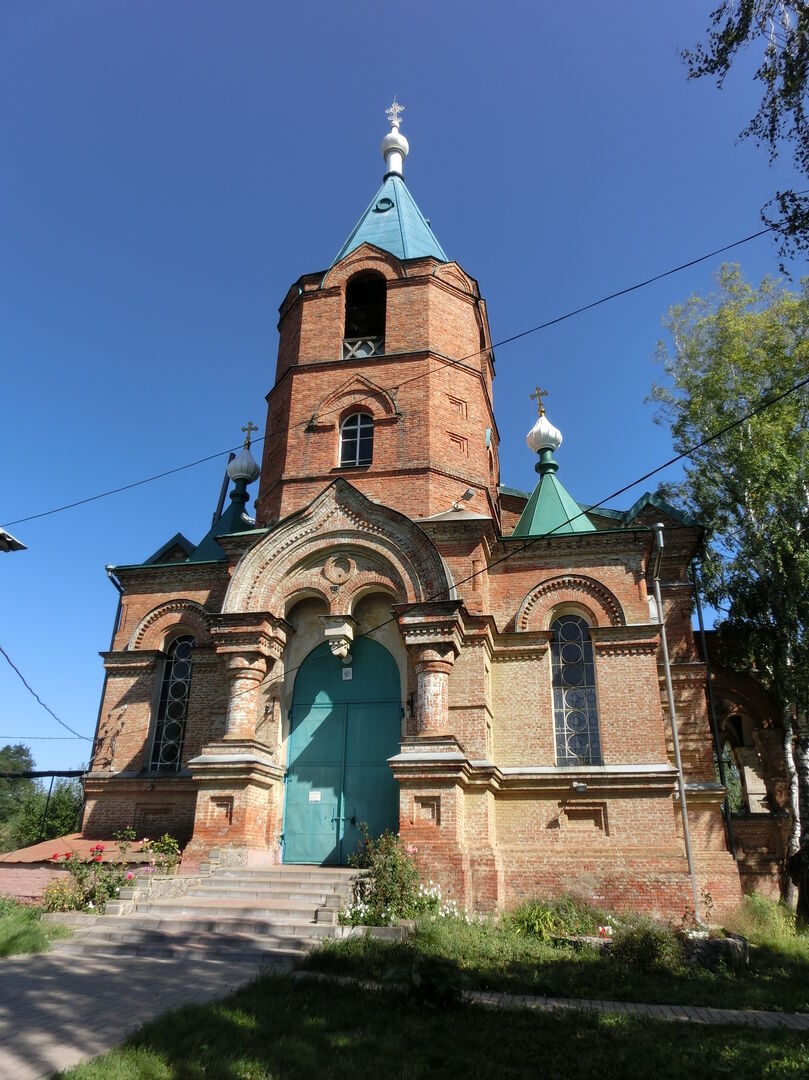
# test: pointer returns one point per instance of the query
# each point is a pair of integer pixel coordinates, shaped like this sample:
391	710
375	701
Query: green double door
343	729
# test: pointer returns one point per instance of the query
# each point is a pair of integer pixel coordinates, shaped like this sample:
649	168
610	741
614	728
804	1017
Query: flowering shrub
62	895
164	853
92	882
390	889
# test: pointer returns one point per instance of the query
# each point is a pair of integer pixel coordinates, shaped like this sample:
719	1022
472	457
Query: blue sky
167	170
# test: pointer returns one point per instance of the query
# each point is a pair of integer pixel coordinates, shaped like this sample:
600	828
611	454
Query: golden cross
251	427
537	397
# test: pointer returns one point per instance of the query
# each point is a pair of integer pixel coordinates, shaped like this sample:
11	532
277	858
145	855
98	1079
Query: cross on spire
392	113
251	427
537	396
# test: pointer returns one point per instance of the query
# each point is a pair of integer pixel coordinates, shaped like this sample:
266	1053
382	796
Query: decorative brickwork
392	549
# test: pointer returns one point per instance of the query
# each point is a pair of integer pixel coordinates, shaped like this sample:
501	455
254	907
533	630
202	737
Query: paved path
688	1013
56	1011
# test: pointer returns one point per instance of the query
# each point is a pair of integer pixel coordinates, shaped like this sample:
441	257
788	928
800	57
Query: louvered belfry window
167	747
575	708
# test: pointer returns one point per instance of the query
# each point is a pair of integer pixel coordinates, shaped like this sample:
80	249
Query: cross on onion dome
537	396
392	113
251	427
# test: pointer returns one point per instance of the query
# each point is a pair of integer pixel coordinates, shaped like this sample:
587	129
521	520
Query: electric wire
530	541
34	694
394	389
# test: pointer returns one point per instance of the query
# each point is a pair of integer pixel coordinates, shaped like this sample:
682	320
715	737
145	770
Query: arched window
356	440
575	709
365	316
167	747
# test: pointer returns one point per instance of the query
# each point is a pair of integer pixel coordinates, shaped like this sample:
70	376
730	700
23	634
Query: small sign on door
348	674
314	796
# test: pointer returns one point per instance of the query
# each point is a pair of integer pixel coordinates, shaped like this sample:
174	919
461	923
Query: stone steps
276	893
268	914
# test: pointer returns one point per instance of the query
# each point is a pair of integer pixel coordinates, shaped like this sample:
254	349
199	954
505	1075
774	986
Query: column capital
250	634
433	630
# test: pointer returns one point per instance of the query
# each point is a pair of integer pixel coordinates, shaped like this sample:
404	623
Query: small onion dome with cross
245	467
543	435
551	510
395	146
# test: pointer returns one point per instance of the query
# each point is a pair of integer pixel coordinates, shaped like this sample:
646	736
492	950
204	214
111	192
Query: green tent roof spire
551	509
393	221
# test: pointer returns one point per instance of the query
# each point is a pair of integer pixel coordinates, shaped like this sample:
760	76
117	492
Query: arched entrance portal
344	725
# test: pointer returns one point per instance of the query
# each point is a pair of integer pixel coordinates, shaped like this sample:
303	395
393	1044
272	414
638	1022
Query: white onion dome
244	467
395	140
543	435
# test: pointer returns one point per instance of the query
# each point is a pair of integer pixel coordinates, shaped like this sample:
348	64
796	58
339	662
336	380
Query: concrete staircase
238	914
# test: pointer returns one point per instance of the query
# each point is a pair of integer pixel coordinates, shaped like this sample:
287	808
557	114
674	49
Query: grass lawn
279	1027
22	929
485	956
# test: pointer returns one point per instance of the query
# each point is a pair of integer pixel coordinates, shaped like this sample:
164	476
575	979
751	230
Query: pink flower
411	849
129	875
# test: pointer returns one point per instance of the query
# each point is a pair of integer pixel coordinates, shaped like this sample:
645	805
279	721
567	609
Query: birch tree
727	354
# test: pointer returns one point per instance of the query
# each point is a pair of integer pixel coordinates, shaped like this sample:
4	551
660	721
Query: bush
647	946
92	882
165	853
765	922
62	894
390	888
565	915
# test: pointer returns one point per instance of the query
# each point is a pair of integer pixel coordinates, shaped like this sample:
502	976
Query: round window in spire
383	205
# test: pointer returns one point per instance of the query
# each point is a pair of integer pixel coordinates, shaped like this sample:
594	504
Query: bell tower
385	369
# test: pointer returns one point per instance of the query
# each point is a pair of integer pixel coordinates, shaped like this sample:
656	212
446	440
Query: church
396	640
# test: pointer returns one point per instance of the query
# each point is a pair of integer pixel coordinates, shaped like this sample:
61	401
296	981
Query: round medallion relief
338	569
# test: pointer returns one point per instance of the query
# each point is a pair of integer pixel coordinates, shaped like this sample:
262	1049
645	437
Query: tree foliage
781	30
15	758
729	353
62	815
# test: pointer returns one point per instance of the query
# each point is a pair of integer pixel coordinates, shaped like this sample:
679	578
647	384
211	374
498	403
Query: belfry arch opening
366	302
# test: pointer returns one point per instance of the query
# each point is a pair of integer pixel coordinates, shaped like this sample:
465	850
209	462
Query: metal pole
712	712
658	530
45	813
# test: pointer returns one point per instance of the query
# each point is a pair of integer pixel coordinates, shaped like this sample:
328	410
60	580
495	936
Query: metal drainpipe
658	531
712	712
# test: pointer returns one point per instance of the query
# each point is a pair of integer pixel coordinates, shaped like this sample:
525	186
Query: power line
446	361
34	694
44	738
530	541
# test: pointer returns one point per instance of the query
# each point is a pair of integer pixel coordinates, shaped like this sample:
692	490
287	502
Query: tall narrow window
171	712
575	708
365	316
357	440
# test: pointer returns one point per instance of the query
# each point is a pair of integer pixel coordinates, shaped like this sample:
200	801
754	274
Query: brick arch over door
339	543
151	631
534	613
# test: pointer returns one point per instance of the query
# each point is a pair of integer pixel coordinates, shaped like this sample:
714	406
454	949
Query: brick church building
399	640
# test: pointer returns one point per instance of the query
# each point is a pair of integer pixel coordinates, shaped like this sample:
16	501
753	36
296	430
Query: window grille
357	440
575	708
171	713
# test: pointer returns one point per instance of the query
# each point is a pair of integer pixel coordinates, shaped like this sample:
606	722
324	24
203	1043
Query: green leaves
727	354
